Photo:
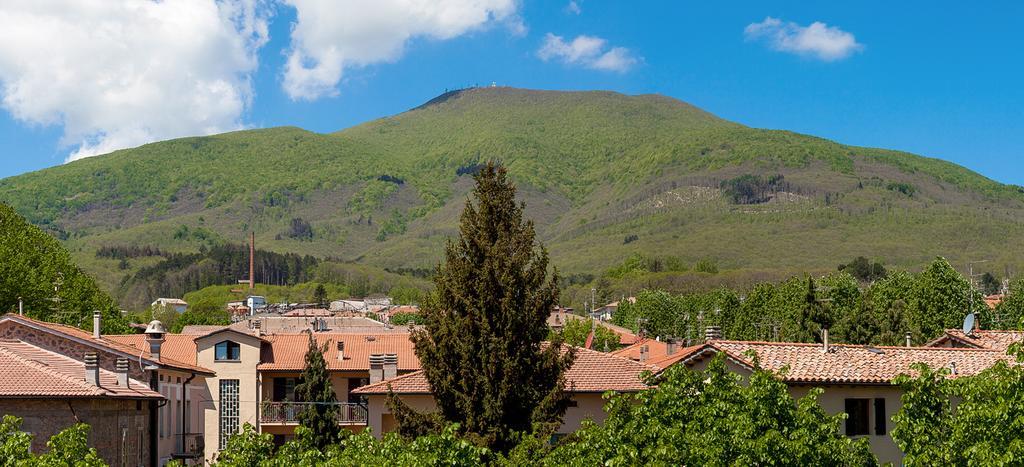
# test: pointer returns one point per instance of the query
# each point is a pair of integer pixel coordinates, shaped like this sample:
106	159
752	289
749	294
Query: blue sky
939	79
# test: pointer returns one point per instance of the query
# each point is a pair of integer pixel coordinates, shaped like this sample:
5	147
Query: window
880	417
856	417
228	410
227	350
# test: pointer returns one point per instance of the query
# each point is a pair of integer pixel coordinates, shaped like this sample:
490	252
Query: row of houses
156	396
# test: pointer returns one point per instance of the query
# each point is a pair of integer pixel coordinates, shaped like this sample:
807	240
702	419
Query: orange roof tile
105	342
592	371
557	318
179	347
27	371
288	351
844	364
983	339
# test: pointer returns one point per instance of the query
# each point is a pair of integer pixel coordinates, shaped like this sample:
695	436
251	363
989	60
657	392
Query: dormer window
227	351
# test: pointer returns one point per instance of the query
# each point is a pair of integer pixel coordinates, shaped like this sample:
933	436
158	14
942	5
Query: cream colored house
590	376
856	379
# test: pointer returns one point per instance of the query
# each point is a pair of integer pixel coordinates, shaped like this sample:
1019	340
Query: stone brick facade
71	348
119	429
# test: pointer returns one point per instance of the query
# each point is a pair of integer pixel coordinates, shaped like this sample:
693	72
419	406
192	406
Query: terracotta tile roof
179	347
288	351
308	312
982	339
992	301
592	371
845	364
105	342
27	371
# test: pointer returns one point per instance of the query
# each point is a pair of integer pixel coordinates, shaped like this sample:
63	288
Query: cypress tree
320	413
482	346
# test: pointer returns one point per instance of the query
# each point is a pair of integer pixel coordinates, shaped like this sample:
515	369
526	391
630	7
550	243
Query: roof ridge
619	357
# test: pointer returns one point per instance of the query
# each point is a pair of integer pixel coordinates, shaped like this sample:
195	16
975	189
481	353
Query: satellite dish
968	324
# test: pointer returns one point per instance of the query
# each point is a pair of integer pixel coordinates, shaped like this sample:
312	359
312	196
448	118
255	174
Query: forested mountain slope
605	177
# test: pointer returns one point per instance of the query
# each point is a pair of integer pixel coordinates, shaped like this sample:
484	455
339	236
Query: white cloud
587	51
119	73
330	36
574	7
817	40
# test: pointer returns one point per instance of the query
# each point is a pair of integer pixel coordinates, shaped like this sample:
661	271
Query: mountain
615	184
37	271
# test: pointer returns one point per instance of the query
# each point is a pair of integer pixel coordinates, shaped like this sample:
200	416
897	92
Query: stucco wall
109	420
244	370
833	400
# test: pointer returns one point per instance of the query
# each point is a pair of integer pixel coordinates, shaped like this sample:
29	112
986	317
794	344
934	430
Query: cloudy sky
79	78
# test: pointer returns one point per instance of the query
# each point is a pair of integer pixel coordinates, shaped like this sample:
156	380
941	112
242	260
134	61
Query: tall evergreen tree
320	296
481	347
319	413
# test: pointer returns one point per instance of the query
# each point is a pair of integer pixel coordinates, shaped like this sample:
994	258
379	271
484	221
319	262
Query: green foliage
713	417
983	428
32	264
405	319
797	309
576	331
863	269
320	296
481	345
320	415
706	265
751	189
246	448
15	445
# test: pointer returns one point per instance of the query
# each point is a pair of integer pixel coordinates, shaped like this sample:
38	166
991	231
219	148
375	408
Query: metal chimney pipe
908	340
824	340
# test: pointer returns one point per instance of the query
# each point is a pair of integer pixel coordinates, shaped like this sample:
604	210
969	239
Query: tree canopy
36	268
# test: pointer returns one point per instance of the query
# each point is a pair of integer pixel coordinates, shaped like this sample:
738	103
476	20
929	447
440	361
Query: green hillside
37	271
605	176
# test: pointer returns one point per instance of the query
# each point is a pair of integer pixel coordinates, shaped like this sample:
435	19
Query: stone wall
68	347
119	429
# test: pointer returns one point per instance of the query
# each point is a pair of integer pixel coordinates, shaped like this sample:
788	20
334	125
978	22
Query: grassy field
604	176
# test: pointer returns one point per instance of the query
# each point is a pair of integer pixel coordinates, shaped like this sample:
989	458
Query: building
255	373
255	303
857	379
591	375
175	304
137	401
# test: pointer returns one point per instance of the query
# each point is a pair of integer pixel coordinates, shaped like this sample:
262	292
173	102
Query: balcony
188	446
287	413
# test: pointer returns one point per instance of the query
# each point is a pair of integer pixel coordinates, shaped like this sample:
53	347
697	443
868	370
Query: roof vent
952	368
92	369
341	350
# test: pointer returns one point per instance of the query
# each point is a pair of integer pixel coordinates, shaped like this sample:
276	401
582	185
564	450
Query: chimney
643	353
824	340
712	333
155	337
390	365
341	350
670	346
977	323
376	368
257	327
92	369
908	340
252	260
122	372
952	368
96	322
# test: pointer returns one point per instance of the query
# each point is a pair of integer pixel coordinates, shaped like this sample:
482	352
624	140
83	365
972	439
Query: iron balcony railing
347	413
188	446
